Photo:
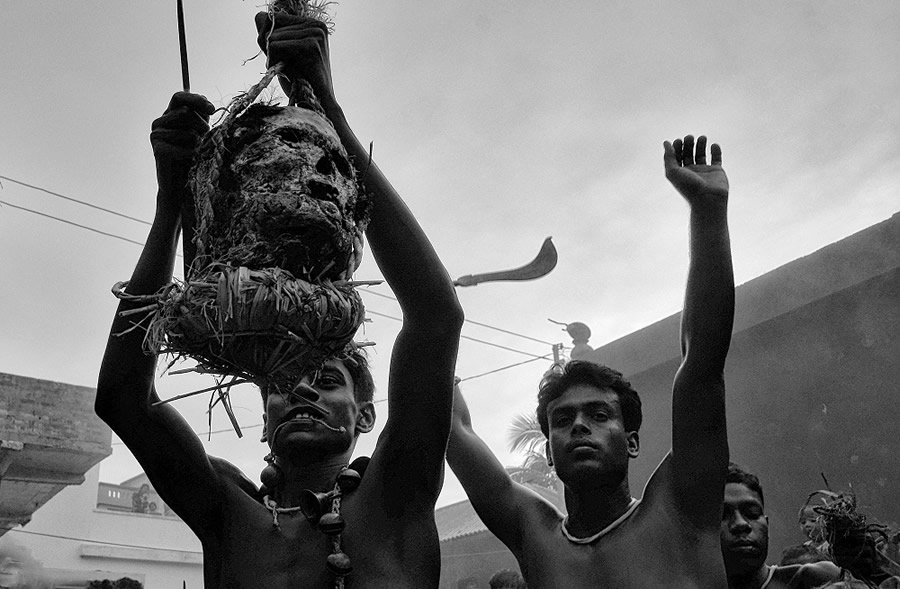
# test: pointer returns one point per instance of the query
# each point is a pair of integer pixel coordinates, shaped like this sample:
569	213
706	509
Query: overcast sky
500	123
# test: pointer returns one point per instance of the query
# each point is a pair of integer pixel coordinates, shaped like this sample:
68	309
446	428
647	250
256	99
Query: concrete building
813	378
60	526
49	438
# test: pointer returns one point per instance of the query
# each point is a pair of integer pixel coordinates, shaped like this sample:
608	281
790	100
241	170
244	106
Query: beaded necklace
324	511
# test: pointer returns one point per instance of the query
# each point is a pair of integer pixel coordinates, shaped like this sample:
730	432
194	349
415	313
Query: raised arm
159	438
699	439
502	504
424	356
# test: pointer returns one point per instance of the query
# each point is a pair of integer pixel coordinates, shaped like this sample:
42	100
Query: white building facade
100	531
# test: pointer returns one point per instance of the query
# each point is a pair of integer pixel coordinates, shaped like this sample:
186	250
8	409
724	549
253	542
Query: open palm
687	170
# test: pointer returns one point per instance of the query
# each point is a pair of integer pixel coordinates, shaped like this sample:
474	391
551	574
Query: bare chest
253	552
649	551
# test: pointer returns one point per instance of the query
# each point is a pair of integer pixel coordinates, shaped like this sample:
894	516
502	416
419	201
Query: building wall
812	380
478	555
49	437
161	552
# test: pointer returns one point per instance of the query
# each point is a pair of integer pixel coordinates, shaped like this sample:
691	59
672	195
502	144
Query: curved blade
540	266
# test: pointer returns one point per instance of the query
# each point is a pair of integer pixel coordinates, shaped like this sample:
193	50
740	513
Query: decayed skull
286	196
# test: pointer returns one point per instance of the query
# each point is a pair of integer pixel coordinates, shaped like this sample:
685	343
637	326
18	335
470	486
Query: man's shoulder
659	486
807	576
232	476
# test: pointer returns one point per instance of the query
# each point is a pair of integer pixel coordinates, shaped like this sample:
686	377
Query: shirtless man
390	535
745	542
591	416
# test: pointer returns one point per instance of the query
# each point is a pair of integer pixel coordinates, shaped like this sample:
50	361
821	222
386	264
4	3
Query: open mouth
305	416
302	413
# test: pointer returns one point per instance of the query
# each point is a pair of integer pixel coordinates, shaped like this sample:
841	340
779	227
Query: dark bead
271	476
331	524
348	480
339	564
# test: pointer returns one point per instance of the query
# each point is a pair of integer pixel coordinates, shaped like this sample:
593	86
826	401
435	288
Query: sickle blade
539	267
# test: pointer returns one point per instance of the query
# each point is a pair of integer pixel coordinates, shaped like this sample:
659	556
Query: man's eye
600	416
329	380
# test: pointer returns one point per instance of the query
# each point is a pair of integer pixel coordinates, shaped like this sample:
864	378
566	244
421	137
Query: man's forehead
585	395
336	364
739	493
331	365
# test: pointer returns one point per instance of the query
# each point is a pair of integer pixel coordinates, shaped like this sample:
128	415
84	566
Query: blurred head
744	532
811	524
507	579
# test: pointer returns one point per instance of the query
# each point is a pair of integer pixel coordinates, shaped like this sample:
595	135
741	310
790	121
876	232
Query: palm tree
525	436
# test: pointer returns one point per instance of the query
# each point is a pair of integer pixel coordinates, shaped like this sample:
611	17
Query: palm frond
525	435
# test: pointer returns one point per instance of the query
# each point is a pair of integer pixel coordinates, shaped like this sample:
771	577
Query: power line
473	322
119	237
75	200
124	216
547	357
66	221
473	339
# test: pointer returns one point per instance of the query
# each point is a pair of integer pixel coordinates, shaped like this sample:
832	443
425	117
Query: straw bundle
264	326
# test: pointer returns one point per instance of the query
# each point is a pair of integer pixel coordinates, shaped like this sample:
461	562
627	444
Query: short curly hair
575	372
738	475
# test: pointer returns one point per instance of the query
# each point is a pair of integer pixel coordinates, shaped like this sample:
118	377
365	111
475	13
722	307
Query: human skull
286	196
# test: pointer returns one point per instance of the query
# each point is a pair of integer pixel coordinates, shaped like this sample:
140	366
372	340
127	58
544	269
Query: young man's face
294	427
745	530
587	439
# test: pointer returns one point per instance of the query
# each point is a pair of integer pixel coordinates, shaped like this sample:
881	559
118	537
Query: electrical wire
466	337
545	357
66	221
75	200
534	357
112	212
473	322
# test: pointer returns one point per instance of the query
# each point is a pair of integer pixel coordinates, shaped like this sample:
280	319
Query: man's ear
634	444
365	420
547	453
